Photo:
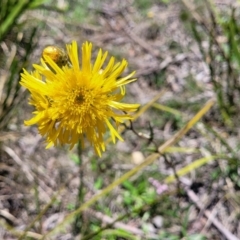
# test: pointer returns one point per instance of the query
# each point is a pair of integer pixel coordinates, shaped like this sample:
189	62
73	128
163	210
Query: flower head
78	100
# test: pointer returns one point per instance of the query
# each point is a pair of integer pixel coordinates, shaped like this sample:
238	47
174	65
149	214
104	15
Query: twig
149	137
8	216
20	163
119	225
210	217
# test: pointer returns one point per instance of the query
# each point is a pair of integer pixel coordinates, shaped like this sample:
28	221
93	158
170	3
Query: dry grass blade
190	167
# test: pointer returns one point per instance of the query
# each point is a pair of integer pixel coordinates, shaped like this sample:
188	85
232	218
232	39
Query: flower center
80	100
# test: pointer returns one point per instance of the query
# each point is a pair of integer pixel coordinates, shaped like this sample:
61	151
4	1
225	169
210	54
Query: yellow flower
78	101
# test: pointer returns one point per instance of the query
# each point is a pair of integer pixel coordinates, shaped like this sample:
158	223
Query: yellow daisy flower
78	101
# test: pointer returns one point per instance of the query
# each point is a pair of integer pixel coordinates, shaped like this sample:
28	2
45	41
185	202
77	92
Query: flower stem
78	226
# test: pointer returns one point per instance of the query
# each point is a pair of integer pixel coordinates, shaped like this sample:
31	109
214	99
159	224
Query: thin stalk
78	226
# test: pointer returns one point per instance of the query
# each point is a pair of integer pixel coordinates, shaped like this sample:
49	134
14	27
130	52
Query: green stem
78	227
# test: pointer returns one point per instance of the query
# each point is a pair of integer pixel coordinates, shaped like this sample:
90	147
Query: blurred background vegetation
184	53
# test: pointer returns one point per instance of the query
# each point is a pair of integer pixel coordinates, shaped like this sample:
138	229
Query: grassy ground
183	184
